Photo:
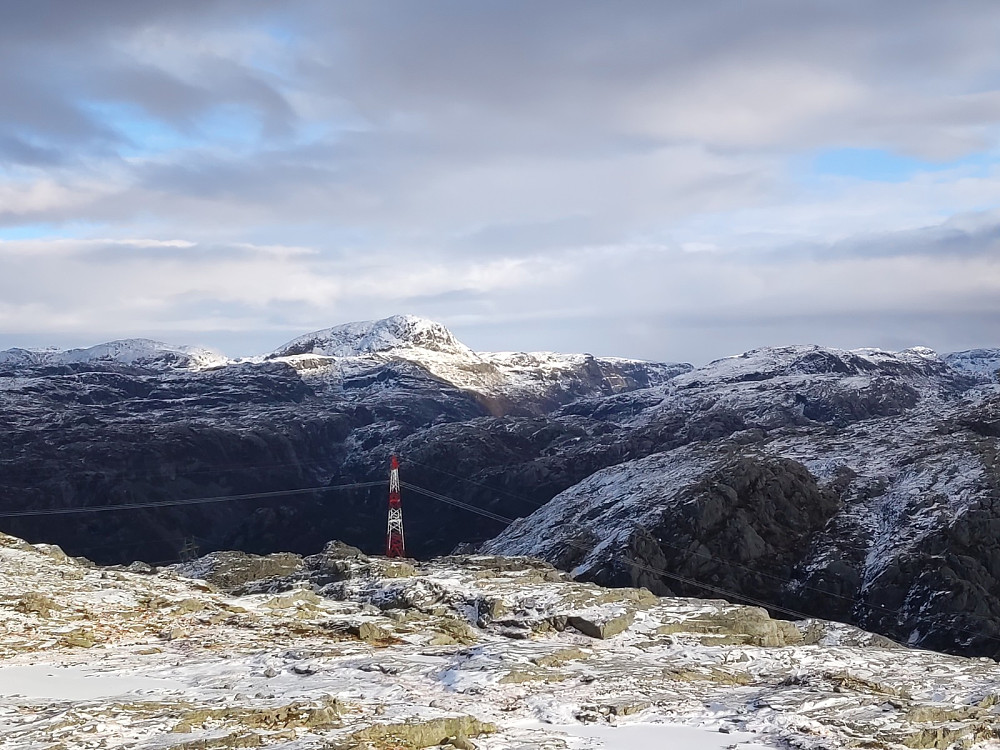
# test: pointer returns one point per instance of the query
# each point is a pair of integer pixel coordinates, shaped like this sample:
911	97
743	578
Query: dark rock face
745	528
92	439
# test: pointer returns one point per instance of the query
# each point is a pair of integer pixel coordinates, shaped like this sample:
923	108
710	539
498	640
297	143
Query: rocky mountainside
347	652
860	485
851	485
119	428
981	364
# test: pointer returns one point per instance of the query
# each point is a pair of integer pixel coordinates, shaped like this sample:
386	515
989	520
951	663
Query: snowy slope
859	485
355	348
394	334
788	361
982	364
327	357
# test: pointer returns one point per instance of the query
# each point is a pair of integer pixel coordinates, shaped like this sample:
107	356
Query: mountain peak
376	336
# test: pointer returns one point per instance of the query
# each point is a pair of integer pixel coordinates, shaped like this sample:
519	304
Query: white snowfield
495	653
982	364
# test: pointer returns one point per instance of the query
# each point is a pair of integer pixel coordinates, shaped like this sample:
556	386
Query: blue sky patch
881	165
44	230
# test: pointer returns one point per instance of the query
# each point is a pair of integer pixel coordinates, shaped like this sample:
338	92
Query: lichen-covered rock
37	603
301	598
738	625
370	632
231	571
560	657
79	638
601	625
418	734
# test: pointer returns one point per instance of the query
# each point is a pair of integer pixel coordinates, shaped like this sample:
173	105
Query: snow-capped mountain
508	379
396	334
832	479
505	382
145	353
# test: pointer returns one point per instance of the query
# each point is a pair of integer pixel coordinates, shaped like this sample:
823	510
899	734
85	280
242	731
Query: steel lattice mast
394	531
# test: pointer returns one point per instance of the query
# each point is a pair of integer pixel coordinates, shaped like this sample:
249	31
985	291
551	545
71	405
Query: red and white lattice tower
394	531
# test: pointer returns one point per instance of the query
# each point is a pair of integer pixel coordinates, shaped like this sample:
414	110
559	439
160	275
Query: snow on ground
656	737
355	348
599	514
75	683
874	424
358	653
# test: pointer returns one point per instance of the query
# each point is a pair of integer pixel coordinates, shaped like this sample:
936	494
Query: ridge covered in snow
354	348
793	471
135	352
326	357
393	334
982	364
350	348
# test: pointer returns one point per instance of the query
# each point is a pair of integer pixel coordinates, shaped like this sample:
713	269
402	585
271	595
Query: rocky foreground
339	650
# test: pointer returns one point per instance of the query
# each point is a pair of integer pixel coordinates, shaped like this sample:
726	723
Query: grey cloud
969	236
119	254
937	241
57	58
519	239
581	64
447	135
15	150
441	85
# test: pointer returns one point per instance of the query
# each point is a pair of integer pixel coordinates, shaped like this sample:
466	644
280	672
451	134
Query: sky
665	180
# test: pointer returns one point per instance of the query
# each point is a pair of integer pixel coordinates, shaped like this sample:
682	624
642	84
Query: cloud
129	288
547	164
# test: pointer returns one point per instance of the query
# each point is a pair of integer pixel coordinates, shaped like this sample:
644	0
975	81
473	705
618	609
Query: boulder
601	625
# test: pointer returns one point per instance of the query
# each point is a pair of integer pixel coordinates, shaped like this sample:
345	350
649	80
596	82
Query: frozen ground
656	737
349	652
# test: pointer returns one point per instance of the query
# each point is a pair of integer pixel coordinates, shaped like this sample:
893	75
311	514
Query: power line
634	563
188	501
459	504
840	545
509	521
176	476
478	484
659	541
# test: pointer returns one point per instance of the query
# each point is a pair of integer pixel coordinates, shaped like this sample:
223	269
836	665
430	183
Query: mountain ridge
395	334
866	482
